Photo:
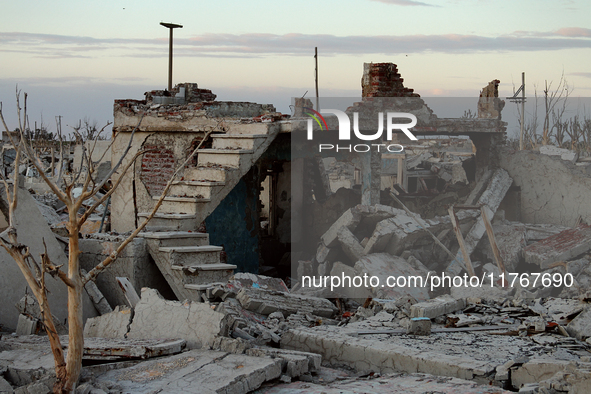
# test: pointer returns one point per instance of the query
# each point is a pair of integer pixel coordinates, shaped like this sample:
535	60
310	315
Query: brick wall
383	80
157	167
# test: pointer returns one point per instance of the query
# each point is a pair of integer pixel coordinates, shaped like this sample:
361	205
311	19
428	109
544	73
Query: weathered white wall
552	190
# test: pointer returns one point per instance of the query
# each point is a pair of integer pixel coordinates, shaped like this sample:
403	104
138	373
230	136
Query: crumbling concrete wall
553	190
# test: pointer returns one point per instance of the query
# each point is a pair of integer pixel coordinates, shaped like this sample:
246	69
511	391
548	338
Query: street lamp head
170	25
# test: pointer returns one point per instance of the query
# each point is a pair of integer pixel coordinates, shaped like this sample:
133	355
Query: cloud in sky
294	44
405	3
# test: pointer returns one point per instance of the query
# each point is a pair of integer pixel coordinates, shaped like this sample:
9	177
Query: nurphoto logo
344	128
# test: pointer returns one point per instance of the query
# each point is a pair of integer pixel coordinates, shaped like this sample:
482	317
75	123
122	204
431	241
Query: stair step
205	267
200	189
212	174
182	199
224	141
163	239
223	157
191	249
170	221
258	128
182	205
173	235
171	216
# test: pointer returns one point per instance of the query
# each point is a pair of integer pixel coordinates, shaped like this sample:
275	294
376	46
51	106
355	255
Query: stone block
156	317
438	306
419	326
26	325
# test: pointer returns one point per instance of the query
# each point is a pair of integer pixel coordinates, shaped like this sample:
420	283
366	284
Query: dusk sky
75	57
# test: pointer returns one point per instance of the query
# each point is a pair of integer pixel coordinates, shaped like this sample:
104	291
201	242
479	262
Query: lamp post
170	26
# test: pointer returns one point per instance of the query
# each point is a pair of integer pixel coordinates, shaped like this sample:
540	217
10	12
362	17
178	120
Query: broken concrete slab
559	247
350	244
384	267
438	306
536	370
395	234
384	356
565	154
414	383
196	371
118	349
156	317
266	302
25	366
111	325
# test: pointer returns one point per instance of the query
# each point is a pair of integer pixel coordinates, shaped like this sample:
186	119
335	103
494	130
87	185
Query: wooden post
316	78
460	237
492	240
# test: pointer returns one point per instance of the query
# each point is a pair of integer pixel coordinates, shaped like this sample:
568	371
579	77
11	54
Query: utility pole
170	26
316	77
516	99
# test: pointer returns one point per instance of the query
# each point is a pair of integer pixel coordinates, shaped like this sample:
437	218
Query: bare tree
67	368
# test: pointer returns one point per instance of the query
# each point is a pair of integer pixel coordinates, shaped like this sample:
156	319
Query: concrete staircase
187	261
